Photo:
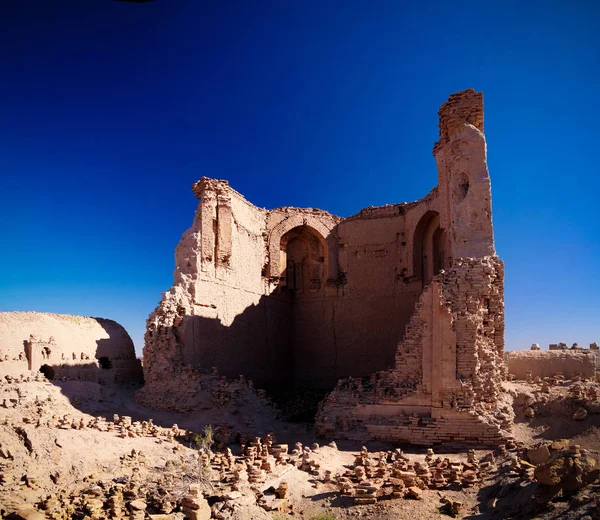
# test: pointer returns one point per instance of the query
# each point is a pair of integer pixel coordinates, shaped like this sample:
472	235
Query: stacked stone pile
194	505
231	479
234	478
393	475
119	502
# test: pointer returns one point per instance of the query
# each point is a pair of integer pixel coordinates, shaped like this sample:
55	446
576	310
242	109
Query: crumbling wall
446	383
233	307
217	278
548	363
230	324
224	310
73	346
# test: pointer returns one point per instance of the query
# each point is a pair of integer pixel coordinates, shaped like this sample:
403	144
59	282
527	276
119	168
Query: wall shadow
258	344
512	498
289	342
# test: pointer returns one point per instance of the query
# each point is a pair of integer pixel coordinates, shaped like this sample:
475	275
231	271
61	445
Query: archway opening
430	248
105	362
297	255
302	261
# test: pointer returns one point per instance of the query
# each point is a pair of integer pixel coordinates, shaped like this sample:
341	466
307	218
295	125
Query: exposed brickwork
437	392
462	107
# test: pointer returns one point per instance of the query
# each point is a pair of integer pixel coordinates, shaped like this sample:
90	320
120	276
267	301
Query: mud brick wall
73	346
547	363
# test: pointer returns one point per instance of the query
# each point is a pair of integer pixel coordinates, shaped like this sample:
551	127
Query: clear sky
111	110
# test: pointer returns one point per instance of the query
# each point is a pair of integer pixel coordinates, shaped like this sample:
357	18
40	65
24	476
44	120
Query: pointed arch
430	249
318	227
303	260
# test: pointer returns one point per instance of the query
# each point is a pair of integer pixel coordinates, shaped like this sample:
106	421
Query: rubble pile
577	398
392	475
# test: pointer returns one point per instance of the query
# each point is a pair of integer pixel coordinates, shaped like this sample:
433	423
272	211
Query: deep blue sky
111	110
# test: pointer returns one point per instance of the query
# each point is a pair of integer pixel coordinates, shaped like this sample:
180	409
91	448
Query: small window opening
105	362
463	189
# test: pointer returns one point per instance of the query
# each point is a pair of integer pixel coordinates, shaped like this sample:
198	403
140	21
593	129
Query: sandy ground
38	460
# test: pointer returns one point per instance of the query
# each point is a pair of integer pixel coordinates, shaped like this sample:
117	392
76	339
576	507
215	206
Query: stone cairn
391	475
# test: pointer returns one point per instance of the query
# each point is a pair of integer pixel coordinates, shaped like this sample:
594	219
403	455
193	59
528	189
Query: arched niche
319	227
302	260
430	248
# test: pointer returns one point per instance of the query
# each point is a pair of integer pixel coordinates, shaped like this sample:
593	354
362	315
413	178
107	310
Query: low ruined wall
76	347
447	427
547	363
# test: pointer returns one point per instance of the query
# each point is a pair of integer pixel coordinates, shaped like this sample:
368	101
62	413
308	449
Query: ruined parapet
558	346
70	346
215	223
548	363
464	107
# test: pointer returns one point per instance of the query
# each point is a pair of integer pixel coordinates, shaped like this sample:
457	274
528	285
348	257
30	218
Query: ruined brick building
64	346
399	308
